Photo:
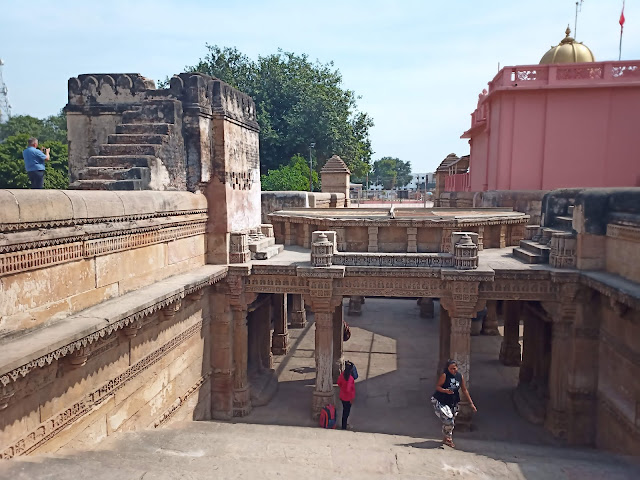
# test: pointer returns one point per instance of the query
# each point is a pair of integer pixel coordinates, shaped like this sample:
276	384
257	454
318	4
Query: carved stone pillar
241	390
323	392
528	346
510	348
462	306
280	341
287	233
306	235
490	322
338	343
263	334
373	239
556	420
445	335
222	359
298	313
355	306
445	241
502	236
426	307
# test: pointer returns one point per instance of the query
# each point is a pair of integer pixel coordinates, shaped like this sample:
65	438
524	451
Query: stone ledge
39	347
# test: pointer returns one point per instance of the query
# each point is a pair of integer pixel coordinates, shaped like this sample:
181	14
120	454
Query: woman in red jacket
347	392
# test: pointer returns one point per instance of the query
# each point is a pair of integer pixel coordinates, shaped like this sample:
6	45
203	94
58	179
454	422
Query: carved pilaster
373	239
222	358
298	314
241	392
510	347
490	322
280	340
412	239
338	340
323	308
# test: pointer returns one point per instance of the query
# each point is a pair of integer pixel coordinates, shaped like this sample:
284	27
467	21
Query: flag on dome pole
621	22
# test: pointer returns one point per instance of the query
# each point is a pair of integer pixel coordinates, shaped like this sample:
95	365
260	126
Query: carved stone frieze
390	287
91	245
518	289
52	426
373	259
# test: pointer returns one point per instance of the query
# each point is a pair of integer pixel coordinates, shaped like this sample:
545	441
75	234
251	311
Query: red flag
621	21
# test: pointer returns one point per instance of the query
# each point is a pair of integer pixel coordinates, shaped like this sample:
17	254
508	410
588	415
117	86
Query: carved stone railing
429	260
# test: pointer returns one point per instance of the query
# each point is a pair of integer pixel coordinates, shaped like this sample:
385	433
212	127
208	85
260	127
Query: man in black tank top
446	398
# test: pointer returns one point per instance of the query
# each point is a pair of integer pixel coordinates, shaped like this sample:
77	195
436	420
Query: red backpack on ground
328	416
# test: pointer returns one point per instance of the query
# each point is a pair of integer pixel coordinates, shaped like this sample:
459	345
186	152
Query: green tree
52	128
12	172
392	172
294	176
298	102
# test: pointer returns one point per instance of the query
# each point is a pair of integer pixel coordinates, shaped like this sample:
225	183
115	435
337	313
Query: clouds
418	66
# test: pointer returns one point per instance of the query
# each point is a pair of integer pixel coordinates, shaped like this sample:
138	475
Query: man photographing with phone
34	163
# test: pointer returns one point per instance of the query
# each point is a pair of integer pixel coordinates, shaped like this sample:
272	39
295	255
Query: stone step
107	173
131	128
129	149
564	221
137	138
527	256
261	244
268	252
120	161
109	185
535	247
209	449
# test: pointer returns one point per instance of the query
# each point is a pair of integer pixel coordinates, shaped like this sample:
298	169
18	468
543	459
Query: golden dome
568	51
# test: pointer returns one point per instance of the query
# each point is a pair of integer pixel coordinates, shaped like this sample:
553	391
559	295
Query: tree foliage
294	176
51	133
391	172
53	127
298	102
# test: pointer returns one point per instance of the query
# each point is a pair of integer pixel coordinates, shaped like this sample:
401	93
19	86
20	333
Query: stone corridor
396	353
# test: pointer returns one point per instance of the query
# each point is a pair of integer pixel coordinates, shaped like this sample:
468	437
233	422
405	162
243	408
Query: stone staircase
206	450
263	247
143	143
554	244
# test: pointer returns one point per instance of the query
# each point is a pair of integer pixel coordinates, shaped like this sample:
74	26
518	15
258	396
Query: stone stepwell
205	450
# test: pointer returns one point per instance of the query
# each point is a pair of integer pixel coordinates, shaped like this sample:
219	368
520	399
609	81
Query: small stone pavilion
154	291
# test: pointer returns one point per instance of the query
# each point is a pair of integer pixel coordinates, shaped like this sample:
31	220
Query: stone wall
275	201
525	201
114	283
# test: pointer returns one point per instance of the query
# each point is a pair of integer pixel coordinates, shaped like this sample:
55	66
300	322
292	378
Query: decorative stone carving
239	247
466	254
563	250
321	252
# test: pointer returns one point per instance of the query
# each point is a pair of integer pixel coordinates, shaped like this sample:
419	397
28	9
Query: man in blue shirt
34	163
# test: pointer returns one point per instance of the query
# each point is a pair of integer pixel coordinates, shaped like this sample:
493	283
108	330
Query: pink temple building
566	122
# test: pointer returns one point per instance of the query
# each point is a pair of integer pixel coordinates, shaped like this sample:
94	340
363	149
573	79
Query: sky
418	66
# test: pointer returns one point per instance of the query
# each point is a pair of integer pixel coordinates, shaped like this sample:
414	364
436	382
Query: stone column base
464	418
510	354
280	343
355	307
556	423
222	395
320	399
298	318
242	402
426	307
